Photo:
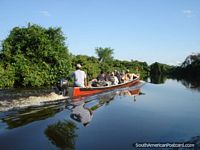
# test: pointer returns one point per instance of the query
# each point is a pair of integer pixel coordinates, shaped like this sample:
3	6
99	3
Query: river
119	120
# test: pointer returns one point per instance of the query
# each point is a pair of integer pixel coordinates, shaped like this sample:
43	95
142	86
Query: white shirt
116	80
79	78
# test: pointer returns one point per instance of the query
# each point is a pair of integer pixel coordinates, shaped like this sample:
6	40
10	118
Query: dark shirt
101	77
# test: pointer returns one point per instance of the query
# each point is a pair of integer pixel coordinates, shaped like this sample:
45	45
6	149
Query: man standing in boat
79	77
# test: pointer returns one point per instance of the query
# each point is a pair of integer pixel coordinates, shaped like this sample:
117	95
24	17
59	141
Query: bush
38	55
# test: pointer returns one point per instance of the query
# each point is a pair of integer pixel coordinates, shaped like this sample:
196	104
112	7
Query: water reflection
191	83
158	79
80	113
62	134
81	109
22	117
188	82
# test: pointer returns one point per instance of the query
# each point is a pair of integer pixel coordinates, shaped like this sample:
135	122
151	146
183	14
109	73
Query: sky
164	31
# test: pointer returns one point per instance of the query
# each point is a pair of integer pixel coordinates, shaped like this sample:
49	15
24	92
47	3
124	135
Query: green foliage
38	55
92	66
7	75
160	69
137	67
189	68
35	56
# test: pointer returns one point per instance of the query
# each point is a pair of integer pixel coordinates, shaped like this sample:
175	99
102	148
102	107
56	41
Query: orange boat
75	92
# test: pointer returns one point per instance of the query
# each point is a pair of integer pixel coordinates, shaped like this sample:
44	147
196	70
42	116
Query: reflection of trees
62	134
191	83
158	79
25	116
106	98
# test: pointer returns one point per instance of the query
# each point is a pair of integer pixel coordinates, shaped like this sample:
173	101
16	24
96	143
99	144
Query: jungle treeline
35	56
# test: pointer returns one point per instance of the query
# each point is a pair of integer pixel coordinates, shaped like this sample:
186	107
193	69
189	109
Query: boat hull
75	92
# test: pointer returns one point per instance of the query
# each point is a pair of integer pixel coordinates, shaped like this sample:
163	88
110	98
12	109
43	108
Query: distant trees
191	59
190	67
159	72
189	70
33	56
160	69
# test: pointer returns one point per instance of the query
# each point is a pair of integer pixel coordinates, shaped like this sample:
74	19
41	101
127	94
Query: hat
78	66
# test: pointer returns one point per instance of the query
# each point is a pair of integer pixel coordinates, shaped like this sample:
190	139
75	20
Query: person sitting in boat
118	75
79	77
135	75
122	74
101	76
100	81
113	79
127	77
107	77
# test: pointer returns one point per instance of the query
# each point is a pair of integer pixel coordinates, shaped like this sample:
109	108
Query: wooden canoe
75	92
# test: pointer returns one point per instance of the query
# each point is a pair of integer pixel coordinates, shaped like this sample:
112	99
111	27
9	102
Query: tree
104	54
160	69
191	59
38	55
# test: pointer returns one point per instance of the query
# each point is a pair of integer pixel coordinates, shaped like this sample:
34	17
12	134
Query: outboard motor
62	86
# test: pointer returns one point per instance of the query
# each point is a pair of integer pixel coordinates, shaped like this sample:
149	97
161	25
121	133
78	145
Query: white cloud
45	13
188	13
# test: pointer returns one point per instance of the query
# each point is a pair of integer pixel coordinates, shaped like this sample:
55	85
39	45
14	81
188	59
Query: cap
78	66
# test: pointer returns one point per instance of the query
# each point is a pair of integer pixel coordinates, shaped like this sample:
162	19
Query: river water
149	113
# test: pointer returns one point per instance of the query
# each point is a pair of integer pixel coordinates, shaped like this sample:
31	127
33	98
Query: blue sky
147	30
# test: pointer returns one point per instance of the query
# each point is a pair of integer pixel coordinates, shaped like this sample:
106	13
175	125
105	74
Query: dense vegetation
188	71
93	65
190	67
160	69
34	56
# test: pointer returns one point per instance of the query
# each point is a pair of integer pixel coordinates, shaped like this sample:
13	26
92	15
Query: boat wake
19	100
